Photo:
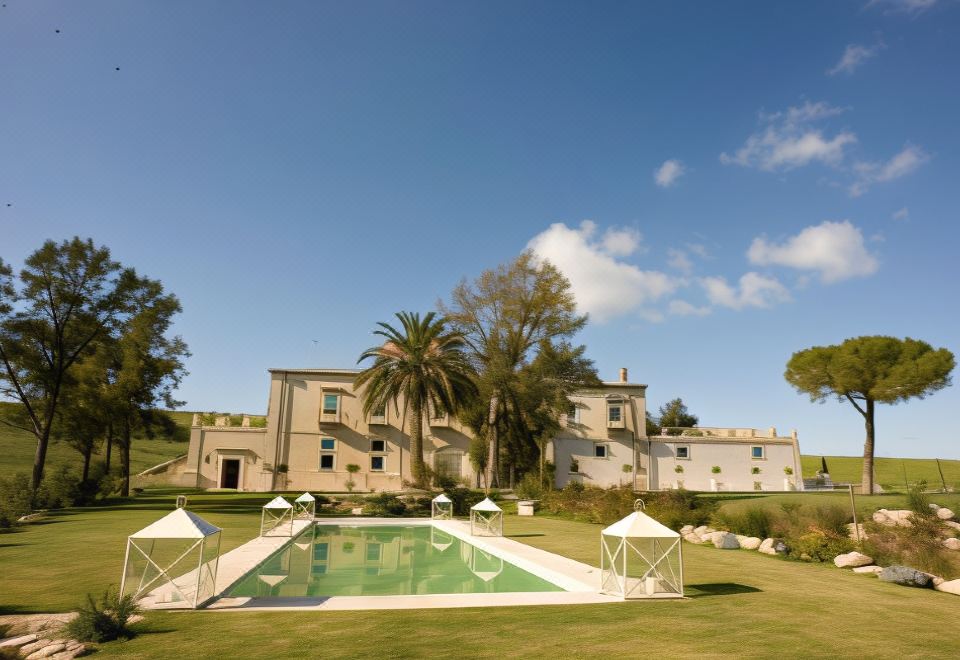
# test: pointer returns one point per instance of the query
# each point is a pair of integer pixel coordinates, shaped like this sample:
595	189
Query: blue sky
724	183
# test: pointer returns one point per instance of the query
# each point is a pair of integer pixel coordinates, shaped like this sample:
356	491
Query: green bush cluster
384	504
918	546
104	621
819	545
464	498
674	508
14	499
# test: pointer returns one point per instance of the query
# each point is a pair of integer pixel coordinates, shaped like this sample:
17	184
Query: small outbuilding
441	507
172	561
641	558
305	507
486	518
277	518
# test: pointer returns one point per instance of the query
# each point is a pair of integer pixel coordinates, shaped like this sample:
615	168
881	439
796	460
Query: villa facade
316	438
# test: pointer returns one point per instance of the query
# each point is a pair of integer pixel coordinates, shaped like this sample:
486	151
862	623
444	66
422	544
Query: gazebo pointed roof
486	504
306	497
639	525
442	499
178	524
278	503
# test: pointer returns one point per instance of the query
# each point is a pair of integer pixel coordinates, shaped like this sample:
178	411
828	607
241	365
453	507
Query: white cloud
902	214
678	259
621	242
787	140
683	308
903	163
913	7
835	250
853	56
753	290
604	286
667	174
698	249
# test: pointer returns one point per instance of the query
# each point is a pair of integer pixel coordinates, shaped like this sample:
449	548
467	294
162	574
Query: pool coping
579	581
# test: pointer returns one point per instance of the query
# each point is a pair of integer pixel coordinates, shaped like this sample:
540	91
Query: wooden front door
230	473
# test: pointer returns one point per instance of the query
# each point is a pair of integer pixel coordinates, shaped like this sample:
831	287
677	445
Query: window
448	462
378	445
756	453
373	552
573	413
615	413
379	415
326	461
330	404
600	451
683	451
377	463
328	444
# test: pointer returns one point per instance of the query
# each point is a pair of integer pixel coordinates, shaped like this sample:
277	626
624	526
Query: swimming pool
382	560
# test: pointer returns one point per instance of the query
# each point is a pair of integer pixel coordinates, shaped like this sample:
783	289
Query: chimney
623	374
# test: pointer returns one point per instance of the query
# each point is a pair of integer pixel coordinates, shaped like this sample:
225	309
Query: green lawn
889	471
740	603
17	449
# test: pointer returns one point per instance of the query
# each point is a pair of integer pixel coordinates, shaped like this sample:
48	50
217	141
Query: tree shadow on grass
718	589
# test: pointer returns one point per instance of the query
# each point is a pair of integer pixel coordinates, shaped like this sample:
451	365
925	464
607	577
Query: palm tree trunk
493	450
867	481
417	466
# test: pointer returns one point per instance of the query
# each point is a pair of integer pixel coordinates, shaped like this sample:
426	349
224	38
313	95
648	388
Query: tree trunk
86	462
125	458
417	466
109	445
43	441
493	451
867	482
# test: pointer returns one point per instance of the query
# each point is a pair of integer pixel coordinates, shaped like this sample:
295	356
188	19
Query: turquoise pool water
330	560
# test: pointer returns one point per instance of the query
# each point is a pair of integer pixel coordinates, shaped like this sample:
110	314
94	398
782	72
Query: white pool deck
581	582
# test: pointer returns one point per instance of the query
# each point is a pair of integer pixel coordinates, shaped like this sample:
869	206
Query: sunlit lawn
741	603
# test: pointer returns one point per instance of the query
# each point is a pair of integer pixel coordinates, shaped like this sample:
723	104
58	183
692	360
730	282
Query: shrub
715	469
60	489
104	621
819	545
693	433
756	521
418	505
678	469
384	504
917	500
529	487
758	485
754	470
464	498
15	495
918	546
788	470
606	505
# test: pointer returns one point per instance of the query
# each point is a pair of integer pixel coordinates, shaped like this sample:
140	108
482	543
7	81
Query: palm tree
423	364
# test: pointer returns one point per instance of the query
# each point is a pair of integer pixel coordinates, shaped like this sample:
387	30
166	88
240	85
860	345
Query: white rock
852	559
951	587
692	538
686	529
881	517
945	514
950	523
47	651
18	641
951	544
703	530
870	570
725	541
749	542
900	517
34	646
767	547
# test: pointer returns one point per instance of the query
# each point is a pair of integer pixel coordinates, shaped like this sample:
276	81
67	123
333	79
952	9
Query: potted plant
678	469
352	469
755	470
715	469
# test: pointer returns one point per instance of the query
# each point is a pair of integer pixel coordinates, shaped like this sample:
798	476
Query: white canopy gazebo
486	519
172	561
305	506
640	558
441	507
277	518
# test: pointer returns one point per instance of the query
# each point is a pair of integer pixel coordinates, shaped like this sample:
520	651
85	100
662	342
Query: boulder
780	547
725	541
767	547
47	651
900	517
852	531
686	529
692	538
16	642
945	514
703	530
852	560
906	576
951	544
748	542
869	570
881	518
954	525
951	587
34	646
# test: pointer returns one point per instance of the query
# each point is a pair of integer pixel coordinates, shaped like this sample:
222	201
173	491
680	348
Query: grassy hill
17	449
890	472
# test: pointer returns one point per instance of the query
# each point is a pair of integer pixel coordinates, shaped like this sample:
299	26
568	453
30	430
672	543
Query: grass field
17	449
740	603
891	473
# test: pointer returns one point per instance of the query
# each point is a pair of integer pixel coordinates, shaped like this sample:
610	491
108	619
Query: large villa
316	438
